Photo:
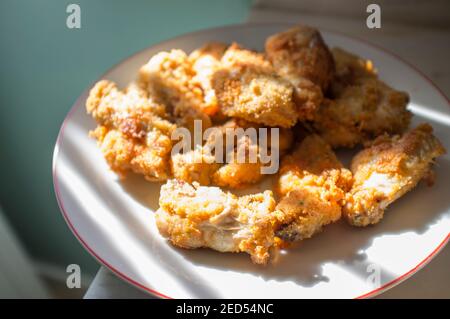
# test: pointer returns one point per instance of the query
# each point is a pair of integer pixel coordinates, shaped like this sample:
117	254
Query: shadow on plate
339	243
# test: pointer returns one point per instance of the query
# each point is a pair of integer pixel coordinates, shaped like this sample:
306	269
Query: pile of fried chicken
320	99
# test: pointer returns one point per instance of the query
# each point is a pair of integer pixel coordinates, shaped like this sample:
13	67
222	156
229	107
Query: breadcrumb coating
301	56
205	62
234	174
169	76
388	169
362	107
247	87
197	165
132	133
312	185
193	216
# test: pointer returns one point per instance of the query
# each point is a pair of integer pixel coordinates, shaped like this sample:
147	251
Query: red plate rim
154	292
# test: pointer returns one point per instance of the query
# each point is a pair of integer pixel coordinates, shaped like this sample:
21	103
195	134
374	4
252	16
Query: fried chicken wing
312	185
193	216
301	56
248	87
387	170
169	76
362	106
132	133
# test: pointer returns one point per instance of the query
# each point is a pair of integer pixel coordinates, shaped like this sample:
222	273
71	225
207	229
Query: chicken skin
301	56
387	170
361	106
247	87
193	216
132	131
312	185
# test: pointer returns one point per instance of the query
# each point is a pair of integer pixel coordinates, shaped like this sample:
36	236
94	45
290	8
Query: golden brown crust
312	185
131	133
301	53
234	174
301	56
388	169
195	166
193	216
247	87
205	62
169	77
362	107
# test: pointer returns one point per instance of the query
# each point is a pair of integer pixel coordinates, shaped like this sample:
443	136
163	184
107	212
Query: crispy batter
312	184
169	76
301	56
201	165
247	87
205	62
387	170
362	106
350	67
132	133
197	165
285	135
193	216
235	174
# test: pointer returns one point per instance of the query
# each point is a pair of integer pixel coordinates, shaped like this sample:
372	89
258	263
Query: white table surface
427	48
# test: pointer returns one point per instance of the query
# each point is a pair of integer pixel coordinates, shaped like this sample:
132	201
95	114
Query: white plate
115	223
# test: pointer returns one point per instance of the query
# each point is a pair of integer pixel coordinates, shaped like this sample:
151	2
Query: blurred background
45	66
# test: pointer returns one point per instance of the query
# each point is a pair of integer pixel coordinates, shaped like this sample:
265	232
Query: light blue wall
44	67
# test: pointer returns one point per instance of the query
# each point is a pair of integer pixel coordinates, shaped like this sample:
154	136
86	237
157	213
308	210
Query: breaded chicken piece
349	68
132	133
193	216
301	56
248	87
387	170
312	185
285	135
238	174
205	62
169	76
234	174
362	107
205	166
197	165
